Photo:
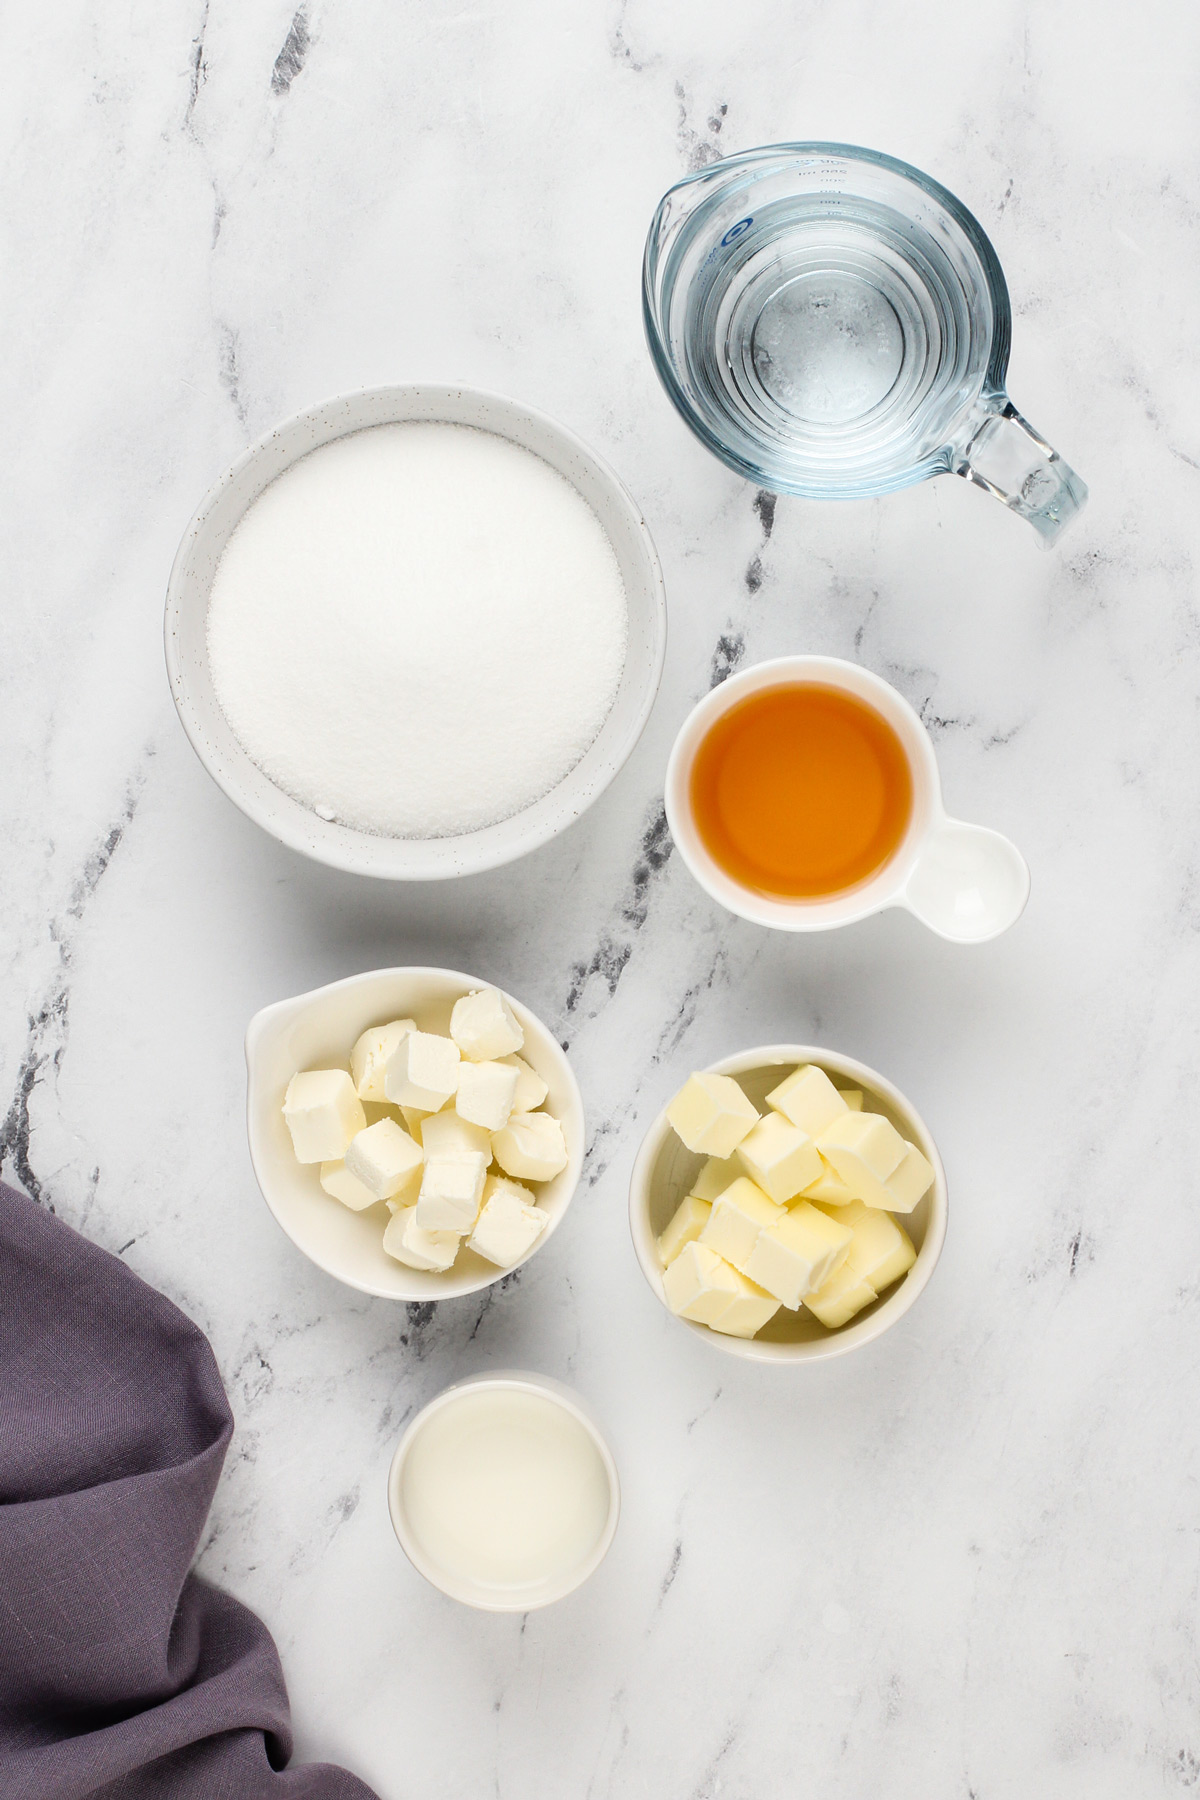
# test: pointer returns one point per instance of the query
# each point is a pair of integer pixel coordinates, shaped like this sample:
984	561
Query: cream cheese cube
487	1093
699	1285
337	1181
737	1217
865	1149
909	1181
844	1294
371	1054
484	1026
828	1188
422	1071
446	1134
509	1224
531	1147
798	1253
808	1098
711	1114
881	1251
531	1089
451	1191
748	1312
718	1173
322	1112
779	1157
686	1223
384	1158
853	1098
409	1243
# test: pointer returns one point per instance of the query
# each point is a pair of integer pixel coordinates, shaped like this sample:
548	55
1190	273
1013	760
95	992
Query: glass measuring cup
832	323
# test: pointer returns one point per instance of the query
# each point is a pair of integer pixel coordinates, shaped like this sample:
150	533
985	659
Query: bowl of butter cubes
418	1134
788	1204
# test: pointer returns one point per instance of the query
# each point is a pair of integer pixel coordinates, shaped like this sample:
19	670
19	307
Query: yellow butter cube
864	1148
687	1222
699	1285
881	1251
843	1295
798	1253
737	1217
711	1114
781	1158
323	1113
828	1188
749	1310
909	1181
371	1054
853	1098
718	1173
808	1098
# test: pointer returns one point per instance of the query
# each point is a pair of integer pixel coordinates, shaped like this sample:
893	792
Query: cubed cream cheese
371	1054
718	1173
779	1157
384	1158
808	1098
410	1243
445	1134
686	1223
337	1180
711	1114
798	1253
737	1217
487	1093
531	1089
451	1191
484	1026
844	1294
699	1285
748	1312
864	1148
422	1071
509	1224
322	1112
531	1147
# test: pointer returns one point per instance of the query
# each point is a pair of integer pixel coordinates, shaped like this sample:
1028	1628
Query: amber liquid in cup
801	791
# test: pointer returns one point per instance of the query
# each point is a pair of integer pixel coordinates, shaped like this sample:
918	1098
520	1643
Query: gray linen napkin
121	1674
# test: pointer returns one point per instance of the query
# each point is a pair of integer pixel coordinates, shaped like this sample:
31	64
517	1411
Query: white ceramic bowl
472	1593
411	859
664	1171
316	1031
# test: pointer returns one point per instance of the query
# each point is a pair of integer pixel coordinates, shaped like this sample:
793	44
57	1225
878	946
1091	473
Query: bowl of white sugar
415	631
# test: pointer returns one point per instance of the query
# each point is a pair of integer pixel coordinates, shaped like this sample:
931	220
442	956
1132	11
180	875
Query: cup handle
969	884
1005	455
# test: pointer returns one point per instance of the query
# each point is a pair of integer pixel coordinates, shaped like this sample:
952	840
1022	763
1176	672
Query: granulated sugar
417	630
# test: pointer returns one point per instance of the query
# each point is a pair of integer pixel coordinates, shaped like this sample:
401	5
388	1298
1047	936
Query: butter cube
322	1112
487	1093
384	1158
409	1243
808	1098
687	1222
451	1191
531	1147
484	1026
509	1224
711	1114
737	1217
844	1294
828	1188
881	1251
865	1149
853	1098
413	1117
779	1157
422	1071
337	1180
447	1134
798	1253
531	1089
749	1311
699	1285
718	1173
909	1180
371	1054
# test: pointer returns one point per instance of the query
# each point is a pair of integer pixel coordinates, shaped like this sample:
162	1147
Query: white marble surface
965	1562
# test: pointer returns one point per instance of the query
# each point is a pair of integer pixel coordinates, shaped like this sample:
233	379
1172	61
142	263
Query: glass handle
1005	455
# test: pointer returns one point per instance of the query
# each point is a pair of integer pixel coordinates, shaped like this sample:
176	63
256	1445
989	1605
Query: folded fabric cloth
121	1674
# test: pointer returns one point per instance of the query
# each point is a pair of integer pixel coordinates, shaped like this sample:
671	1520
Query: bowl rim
343	847
528	1382
846	1337
279	1010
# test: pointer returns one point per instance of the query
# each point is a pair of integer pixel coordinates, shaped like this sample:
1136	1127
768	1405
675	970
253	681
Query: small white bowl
664	1171
317	1030
361	852
471	1593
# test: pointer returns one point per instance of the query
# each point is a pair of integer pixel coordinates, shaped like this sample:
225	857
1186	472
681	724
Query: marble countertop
964	1562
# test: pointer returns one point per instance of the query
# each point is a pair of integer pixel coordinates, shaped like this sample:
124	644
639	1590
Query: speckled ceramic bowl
665	1170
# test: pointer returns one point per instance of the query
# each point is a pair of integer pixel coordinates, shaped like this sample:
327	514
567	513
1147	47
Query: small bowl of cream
503	1492
415	631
